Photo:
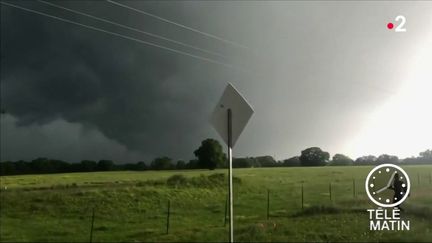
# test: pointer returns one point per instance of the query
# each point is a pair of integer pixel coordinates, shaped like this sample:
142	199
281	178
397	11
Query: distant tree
210	154
410	160
340	159
386	159
128	166
105	165
7	168
427	155
266	161
366	160
192	164
60	166
255	162
242	162
293	161
180	165
40	165
141	165
424	157
162	163
88	165
314	156
22	167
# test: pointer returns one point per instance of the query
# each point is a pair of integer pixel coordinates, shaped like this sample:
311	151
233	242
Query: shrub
219	177
213	180
177	180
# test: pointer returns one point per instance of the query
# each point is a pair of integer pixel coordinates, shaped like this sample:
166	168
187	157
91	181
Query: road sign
241	112
229	118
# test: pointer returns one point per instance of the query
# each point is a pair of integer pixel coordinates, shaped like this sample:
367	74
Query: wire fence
177	210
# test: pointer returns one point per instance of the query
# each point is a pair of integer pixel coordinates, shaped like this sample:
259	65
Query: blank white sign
241	112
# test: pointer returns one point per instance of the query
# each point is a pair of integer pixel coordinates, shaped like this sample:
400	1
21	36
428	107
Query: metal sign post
229	118
230	184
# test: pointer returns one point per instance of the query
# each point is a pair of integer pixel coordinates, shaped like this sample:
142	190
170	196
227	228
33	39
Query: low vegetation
132	206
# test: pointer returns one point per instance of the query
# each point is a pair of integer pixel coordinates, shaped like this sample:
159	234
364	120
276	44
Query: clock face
387	185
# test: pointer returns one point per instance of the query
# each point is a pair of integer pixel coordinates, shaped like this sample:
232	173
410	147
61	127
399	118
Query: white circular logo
387	185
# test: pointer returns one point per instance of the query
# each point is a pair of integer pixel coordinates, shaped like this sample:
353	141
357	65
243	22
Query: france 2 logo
401	26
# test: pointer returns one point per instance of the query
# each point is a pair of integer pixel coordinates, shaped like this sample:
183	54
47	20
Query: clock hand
380	190
390	181
388	185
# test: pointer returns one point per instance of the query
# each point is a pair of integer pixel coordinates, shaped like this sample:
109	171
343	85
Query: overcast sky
318	73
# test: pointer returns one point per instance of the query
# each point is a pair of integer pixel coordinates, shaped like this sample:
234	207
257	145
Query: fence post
268	204
330	191
168	217
92	223
226	209
354	187
302	197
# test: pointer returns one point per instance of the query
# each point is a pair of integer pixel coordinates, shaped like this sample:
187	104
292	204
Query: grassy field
132	206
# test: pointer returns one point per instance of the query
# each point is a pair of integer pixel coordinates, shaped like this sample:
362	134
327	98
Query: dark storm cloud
62	140
316	73
147	99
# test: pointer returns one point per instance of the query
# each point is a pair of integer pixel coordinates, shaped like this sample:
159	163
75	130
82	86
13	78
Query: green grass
131	206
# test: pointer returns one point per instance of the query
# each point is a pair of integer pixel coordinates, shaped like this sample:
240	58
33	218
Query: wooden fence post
92	224
302	197
354	189
168	217
268	204
226	211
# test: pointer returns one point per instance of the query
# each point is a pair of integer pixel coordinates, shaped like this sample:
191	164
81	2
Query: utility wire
178	24
131	28
118	35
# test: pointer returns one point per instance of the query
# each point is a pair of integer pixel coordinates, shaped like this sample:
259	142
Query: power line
131	28
177	24
118	35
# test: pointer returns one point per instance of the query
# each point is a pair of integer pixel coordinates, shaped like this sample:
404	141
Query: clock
387	185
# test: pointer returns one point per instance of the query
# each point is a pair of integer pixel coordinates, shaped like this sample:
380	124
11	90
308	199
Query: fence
170	214
282	203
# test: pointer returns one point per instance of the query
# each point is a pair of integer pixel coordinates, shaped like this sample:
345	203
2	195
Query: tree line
209	155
